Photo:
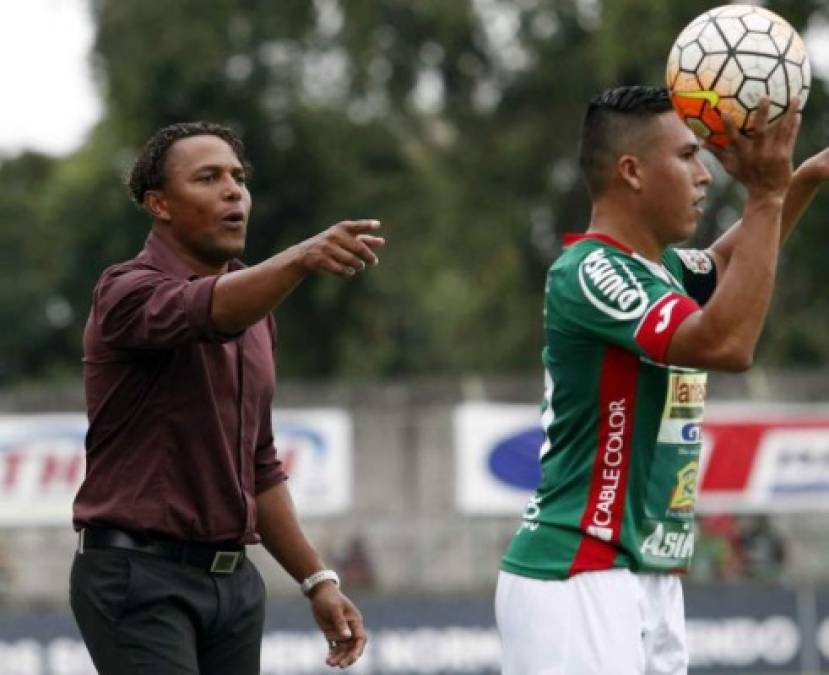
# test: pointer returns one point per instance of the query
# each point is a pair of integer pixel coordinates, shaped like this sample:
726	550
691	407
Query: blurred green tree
453	122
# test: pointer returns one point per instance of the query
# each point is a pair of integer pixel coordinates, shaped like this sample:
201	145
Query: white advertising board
42	463
754	458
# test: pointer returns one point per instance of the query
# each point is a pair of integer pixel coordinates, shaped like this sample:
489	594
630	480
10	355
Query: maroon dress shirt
180	439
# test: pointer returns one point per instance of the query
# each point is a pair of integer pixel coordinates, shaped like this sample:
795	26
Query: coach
181	470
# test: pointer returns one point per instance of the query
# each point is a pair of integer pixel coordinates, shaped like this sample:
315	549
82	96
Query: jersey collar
573	238
656	269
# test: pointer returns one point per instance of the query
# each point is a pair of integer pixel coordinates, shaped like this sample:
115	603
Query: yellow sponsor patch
684	406
685	492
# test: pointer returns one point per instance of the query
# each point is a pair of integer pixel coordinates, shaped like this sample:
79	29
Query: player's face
674	179
206	200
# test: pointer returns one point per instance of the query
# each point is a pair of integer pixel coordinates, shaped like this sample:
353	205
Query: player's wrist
767	197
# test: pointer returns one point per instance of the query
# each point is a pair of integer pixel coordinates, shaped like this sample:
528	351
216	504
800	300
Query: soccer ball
726	59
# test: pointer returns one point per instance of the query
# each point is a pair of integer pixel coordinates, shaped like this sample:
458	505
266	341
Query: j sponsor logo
665	317
611	287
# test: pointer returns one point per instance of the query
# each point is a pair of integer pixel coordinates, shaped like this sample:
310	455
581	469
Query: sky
50	98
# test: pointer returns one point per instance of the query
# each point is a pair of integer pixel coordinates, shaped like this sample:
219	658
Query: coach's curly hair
147	173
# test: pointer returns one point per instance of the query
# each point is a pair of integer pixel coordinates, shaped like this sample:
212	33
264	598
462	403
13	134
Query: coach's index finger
361	226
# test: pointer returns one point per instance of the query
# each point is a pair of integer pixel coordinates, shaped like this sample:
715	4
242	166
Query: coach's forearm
282	536
243	297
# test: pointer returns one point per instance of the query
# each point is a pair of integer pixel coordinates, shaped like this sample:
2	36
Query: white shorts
595	623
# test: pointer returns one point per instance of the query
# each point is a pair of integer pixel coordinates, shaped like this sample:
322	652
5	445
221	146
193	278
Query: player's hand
762	162
340	622
343	249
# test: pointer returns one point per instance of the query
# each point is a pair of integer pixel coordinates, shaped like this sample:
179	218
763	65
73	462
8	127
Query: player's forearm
805	183
725	333
243	297
804	186
737	310
281	534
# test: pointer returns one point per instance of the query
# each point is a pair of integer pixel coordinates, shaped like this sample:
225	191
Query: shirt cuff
268	476
199	305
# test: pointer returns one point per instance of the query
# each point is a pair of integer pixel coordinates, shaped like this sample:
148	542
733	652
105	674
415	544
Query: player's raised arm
806	181
243	297
724	334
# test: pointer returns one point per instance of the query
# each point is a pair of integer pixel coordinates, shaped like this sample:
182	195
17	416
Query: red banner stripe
601	522
734	447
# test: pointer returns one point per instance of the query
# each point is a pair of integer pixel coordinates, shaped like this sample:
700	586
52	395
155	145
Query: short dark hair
147	172
610	118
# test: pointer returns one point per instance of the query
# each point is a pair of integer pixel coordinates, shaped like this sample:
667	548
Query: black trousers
143	615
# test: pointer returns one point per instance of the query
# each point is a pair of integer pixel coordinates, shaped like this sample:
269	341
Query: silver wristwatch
318	577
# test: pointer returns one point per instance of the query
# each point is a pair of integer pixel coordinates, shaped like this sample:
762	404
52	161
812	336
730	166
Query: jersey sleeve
613	298
695	269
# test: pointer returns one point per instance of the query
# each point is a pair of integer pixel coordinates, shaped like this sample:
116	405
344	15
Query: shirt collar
159	253
573	238
657	269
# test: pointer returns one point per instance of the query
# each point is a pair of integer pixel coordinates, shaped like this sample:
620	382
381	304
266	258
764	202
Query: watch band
318	577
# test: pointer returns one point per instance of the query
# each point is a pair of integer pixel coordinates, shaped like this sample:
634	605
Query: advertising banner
738	629
766	459
42	463
754	459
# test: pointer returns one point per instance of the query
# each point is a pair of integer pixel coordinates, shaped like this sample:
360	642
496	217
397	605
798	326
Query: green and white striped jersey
622	429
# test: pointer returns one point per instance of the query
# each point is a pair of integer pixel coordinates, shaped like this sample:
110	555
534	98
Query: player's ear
630	171
156	204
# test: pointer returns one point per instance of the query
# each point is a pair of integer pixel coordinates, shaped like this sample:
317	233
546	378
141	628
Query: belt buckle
226	562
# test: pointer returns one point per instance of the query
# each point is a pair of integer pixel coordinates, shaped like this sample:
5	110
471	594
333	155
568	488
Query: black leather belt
219	559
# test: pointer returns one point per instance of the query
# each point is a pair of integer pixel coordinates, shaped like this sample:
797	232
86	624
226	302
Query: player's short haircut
147	173
610	123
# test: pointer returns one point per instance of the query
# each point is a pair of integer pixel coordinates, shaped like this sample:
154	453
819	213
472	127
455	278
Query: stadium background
455	124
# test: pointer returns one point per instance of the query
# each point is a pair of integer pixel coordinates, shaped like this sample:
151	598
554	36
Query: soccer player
181	468
589	583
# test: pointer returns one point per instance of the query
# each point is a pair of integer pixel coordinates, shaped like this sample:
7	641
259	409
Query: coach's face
204	204
673	179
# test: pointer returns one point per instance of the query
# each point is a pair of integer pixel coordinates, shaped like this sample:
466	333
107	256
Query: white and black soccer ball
726	59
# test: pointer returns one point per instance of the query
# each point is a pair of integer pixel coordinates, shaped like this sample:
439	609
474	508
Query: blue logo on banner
295	434
515	460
